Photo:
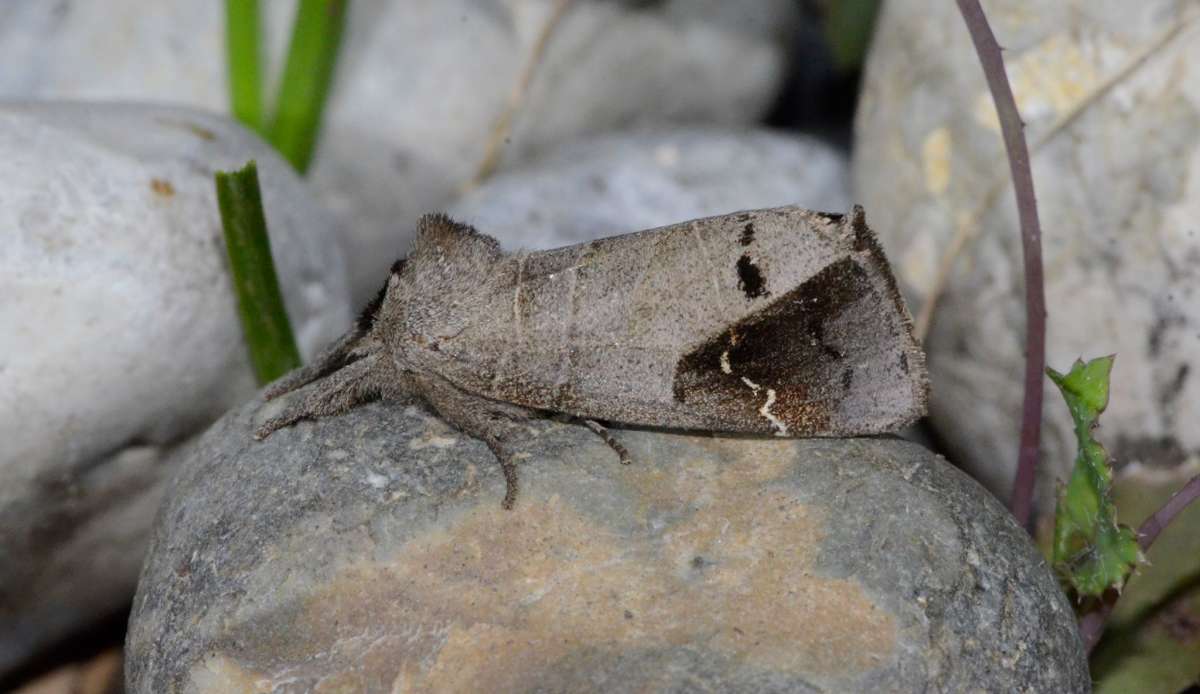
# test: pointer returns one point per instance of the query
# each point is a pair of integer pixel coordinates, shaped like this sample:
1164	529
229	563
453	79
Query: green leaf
243	52
307	74
1091	551
260	304
1152	642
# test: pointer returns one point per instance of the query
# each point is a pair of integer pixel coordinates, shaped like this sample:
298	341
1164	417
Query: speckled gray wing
781	321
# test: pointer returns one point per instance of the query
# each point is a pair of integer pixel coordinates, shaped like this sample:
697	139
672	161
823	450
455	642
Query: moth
779	321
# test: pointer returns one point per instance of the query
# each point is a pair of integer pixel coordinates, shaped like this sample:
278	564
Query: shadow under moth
779	321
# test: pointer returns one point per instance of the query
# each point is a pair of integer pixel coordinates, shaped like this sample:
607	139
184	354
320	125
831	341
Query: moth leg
498	424
506	455
603	432
335	394
329	360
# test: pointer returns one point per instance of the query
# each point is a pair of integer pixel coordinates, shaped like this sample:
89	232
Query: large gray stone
369	553
119	336
650	177
1110	92
421	83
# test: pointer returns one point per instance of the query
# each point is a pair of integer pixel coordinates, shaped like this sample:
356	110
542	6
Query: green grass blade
312	54
244	56
260	304
849	25
1091	551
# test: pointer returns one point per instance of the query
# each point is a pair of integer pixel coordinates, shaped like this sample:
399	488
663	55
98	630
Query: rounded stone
369	552
119	335
650	177
1110	94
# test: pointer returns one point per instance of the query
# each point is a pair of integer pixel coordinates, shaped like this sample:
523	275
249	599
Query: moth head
443	246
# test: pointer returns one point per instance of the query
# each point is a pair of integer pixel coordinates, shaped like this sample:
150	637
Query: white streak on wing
517	292
566	369
564	350
518	327
726	368
780	428
712	275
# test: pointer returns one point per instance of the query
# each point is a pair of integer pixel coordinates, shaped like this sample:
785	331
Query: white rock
1111	96
624	182
119	335
125	50
421	83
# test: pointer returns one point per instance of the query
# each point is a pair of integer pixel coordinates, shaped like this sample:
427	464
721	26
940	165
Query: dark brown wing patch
747	236
750	278
780	368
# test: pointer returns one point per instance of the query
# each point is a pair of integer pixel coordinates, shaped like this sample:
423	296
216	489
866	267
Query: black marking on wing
864	239
750	278
747	236
784	347
831	217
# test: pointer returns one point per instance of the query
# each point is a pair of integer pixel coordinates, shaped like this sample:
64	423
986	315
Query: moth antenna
349	386
334	357
603	432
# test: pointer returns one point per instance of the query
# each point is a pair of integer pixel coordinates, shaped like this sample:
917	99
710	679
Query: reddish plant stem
1152	526
1011	126
1091	625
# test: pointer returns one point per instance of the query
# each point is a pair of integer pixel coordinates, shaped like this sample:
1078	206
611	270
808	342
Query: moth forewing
779	321
892	384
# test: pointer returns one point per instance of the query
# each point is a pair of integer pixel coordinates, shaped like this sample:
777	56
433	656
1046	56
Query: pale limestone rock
119	335
1111	95
645	178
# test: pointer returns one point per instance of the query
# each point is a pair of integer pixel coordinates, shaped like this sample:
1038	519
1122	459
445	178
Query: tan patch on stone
432	439
656	487
219	675
198	130
495	599
98	675
1048	80
343	682
935	160
919	260
162	187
